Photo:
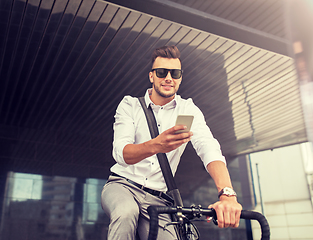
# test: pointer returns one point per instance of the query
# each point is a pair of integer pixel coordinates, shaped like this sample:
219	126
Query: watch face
229	191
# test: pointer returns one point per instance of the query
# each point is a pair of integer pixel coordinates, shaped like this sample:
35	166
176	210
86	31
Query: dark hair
166	52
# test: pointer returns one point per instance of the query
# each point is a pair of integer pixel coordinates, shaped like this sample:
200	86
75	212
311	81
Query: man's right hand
169	140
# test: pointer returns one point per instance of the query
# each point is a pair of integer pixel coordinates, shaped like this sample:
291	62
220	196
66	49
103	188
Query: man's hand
169	140
228	211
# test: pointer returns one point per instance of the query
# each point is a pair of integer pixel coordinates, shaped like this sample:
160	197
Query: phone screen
184	120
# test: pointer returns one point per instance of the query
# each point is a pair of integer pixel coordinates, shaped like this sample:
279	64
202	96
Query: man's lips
167	87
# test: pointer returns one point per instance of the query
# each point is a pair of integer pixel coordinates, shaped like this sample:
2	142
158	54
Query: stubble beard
162	94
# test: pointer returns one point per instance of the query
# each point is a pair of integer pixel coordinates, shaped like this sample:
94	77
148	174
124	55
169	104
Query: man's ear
151	77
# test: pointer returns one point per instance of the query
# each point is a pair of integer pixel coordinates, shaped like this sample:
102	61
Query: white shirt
131	127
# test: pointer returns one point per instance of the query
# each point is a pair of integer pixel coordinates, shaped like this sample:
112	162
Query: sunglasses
162	72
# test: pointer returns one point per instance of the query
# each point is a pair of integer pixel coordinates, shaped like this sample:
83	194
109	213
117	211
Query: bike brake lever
171	223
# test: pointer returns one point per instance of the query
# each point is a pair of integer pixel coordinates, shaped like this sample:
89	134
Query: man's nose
168	76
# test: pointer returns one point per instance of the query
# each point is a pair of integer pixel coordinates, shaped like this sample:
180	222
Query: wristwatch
227	191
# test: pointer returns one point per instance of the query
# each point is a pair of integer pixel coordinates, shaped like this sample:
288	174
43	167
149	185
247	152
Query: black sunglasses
162	72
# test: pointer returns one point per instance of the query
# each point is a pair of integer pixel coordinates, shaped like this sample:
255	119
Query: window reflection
52	207
26	186
92	203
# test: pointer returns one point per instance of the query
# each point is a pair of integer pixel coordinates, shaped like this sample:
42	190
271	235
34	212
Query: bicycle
186	230
183	216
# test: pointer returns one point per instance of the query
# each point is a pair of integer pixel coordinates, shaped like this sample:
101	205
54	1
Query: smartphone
184	120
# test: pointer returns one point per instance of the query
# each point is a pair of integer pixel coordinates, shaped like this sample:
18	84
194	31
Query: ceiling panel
267	16
65	66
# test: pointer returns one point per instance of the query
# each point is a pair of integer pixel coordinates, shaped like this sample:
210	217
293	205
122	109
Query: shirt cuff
212	158
118	154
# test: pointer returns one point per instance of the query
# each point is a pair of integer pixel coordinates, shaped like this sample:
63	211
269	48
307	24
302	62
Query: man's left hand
228	211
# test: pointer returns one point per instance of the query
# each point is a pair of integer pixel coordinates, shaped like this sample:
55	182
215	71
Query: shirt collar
171	104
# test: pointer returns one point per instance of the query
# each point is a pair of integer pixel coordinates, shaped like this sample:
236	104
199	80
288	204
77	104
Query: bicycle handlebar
154	211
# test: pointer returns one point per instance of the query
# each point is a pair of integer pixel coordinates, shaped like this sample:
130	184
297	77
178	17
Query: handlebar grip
154	222
265	228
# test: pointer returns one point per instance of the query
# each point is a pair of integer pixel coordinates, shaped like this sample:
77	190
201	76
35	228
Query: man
137	181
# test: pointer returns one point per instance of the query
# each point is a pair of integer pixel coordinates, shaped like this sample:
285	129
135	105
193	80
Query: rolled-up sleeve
206	146
124	129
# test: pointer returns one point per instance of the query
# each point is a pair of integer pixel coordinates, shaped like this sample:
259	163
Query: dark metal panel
262	15
83	81
55	35
67	64
206	22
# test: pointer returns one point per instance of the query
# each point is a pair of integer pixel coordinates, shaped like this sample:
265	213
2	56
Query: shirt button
146	178
161	107
159	125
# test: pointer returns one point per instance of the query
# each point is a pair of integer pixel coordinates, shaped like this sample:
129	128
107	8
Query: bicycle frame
185	214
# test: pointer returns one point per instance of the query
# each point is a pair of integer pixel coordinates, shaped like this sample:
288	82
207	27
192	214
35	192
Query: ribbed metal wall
267	16
65	65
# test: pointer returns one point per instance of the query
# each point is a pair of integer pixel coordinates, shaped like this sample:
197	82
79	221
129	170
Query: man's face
165	87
